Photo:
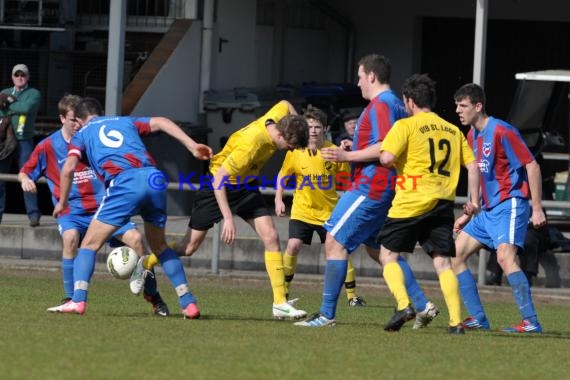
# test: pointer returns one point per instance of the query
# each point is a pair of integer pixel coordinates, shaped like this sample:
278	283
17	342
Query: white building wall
390	28
174	92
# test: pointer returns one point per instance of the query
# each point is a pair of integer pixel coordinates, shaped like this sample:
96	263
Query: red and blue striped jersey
373	125
502	155
113	144
48	158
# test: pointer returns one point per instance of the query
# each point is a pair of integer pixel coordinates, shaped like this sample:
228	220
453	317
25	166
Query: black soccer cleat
356	301
399	318
458	330
159	307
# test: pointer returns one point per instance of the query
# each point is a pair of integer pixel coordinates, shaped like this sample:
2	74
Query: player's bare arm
292	110
387	159
65	182
535	184
473	188
228	230
337	154
200	151
27	184
279	205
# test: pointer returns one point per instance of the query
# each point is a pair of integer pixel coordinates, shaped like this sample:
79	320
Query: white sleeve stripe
74	152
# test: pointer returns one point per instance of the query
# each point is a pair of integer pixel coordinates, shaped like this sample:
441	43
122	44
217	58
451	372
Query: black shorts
433	230
304	231
244	202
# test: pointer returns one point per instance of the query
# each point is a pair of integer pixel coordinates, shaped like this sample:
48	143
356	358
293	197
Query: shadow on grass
545	335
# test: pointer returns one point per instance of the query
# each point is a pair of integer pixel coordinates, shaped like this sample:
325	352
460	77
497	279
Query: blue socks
470	295
67	272
521	293
413	289
172	267
83	268
335	273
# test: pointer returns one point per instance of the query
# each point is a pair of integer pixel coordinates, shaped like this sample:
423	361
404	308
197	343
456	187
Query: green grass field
236	338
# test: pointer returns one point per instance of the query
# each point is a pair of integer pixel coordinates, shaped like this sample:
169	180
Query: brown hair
316	114
88	107
295	130
377	64
68	103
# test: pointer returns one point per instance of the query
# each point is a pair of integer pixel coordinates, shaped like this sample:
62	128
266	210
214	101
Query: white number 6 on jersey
111	139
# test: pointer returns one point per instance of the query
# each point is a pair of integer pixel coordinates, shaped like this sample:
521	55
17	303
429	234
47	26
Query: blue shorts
357	219
81	223
131	193
505	223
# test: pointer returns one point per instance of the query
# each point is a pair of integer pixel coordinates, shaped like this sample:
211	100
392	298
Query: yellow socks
289	267
274	267
350	280
394	278
450	289
150	261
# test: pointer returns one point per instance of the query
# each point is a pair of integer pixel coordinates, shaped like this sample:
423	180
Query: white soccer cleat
287	311
317	320
424	318
138	277
293	301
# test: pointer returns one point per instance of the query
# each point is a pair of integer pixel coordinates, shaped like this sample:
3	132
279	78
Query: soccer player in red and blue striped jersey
510	182
361	211
117	154
86	192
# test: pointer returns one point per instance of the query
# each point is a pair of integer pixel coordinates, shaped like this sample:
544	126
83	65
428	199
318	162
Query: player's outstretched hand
334	154
202	152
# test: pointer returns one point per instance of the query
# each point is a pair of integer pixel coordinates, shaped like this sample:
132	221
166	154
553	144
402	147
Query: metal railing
483	254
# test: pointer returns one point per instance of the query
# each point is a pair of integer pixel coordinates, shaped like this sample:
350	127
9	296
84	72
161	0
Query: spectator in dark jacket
22	105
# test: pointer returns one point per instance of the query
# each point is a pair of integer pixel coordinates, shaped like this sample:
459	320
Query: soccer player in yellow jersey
235	190
314	198
427	152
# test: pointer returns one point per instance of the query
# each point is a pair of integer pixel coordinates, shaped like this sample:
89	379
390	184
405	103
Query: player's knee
293	248
507	263
134	239
271	239
190	248
441	263
70	241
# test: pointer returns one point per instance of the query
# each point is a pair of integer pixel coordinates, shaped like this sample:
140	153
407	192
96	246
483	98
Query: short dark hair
68	103
316	114
295	130
88	107
377	64
473	92
420	88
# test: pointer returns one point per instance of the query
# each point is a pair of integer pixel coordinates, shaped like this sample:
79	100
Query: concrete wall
17	240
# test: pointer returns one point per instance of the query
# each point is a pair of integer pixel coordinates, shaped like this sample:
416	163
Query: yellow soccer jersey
315	194
429	152
248	149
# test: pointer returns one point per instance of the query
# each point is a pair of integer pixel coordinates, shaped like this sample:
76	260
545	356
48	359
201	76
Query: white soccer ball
122	262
